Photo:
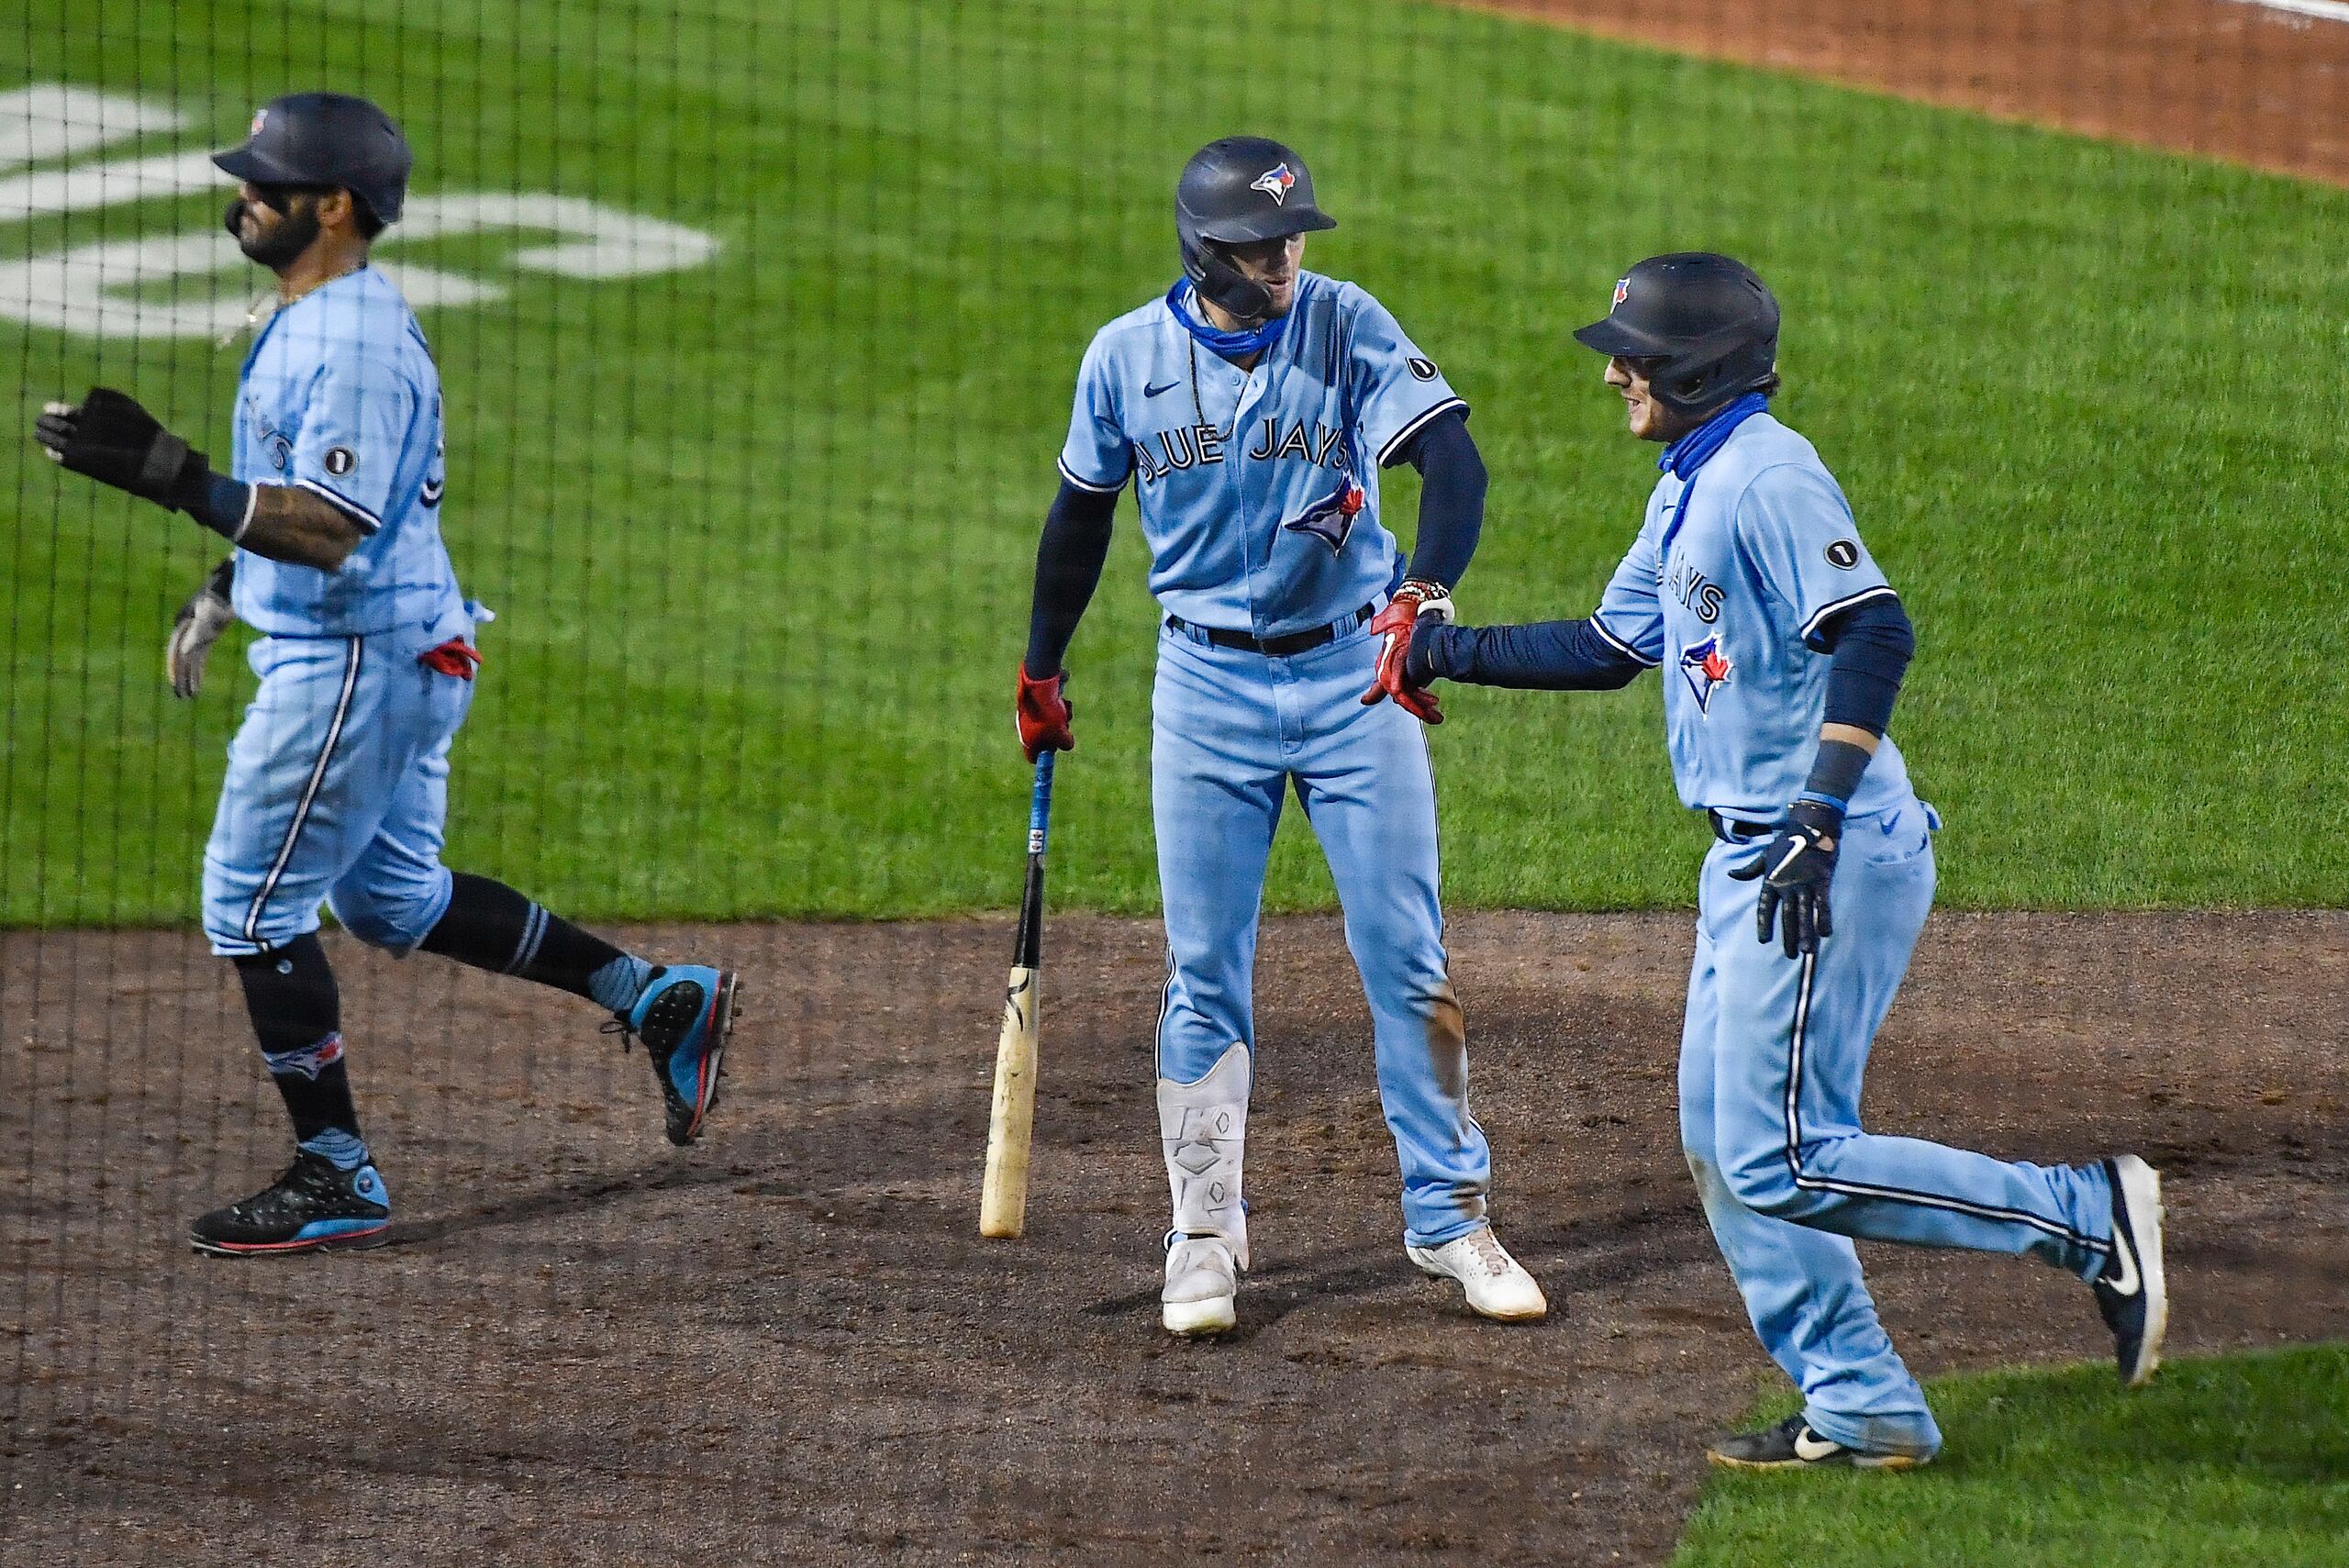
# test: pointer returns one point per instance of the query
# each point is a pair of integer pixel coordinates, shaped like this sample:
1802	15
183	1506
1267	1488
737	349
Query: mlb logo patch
1622	292
1276	183
1706	667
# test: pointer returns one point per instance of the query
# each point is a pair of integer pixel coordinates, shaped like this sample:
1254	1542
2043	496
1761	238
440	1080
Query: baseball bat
1003	1197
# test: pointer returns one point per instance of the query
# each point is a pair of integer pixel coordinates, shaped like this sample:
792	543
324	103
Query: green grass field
2240	1459
760	533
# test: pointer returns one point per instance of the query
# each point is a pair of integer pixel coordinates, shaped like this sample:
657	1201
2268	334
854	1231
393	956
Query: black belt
1729	830
1279	647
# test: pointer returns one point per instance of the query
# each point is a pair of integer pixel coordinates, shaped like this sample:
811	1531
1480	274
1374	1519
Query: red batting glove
1043	714
1394	623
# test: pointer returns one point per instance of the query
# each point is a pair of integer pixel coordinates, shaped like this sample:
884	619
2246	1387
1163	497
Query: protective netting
755	326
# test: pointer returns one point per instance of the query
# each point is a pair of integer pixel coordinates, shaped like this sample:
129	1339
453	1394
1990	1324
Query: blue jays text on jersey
1736	569
1258	488
339	397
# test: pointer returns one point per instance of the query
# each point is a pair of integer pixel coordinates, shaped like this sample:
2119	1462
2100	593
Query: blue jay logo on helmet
1622	292
261	118
1275	182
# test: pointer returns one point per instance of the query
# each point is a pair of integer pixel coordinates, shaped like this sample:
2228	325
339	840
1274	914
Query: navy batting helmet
326	139
1709	323
1236	190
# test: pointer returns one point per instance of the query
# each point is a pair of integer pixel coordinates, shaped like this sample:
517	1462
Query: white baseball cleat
1499	1287
1202	1277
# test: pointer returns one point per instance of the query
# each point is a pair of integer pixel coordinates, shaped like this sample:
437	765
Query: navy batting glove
1796	868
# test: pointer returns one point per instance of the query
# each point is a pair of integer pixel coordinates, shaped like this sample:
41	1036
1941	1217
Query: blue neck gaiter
1231	345
1683	457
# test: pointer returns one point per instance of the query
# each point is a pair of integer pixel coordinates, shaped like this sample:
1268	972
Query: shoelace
1489	1252
619	1027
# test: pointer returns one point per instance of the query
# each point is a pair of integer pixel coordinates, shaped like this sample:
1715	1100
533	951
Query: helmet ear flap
1223	284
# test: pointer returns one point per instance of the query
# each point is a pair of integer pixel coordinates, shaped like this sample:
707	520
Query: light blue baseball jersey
1237	472
340	395
1727	594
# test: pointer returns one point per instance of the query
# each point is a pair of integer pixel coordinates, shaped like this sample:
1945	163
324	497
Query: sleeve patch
1423	369
1844	555
339	461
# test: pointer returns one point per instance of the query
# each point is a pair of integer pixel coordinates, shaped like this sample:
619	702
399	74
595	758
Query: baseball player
1250	408
336	787
1782	648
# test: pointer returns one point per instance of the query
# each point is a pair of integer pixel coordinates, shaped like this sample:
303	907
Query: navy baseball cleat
684	1018
1792	1445
2131	1292
316	1206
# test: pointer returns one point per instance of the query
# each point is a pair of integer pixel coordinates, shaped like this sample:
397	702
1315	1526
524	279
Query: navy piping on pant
1897	1195
309	793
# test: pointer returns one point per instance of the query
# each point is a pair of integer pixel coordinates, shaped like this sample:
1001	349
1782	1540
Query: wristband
1835	773
219	502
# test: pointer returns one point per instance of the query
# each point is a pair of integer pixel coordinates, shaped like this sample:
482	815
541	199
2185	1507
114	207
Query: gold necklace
261	305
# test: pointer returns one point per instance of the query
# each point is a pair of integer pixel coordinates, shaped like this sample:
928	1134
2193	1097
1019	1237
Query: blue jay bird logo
1332	518
1705	668
1275	182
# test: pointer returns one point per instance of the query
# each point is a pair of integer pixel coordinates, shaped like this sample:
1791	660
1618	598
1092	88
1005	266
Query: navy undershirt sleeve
1871	644
1546	656
1068	568
1452	498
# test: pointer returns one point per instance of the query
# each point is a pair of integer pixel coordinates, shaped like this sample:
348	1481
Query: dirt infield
789	1344
2221	78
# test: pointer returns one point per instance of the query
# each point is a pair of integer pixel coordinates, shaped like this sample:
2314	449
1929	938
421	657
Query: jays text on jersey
1242	476
1736	569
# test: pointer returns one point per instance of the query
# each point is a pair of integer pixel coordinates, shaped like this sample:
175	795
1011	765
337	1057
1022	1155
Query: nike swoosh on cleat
1154	391
1812	1450
2129	1283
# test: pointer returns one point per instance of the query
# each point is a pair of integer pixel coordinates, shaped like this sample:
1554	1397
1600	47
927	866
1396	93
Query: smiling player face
1645	414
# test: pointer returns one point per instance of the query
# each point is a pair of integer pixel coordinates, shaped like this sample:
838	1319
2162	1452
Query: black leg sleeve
490	926
298	1016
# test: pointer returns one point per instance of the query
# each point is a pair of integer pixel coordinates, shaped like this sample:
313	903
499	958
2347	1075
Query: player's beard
274	248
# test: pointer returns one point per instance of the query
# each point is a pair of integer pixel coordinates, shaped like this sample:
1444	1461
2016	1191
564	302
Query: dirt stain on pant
1448	1042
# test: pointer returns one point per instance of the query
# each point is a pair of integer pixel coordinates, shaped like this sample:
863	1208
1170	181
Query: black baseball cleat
2131	1292
684	1018
1792	1445
316	1206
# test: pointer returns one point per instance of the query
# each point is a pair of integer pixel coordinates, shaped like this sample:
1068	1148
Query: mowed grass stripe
759	534
2236	1459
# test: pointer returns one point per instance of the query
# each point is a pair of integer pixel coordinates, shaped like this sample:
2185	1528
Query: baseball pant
1233	732
1772	1055
336	790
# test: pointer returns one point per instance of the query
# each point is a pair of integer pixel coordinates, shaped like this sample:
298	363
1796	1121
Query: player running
337	788
1252	407
1782	648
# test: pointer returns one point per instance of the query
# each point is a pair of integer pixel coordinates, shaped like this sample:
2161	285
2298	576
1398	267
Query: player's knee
1764	1183
396	918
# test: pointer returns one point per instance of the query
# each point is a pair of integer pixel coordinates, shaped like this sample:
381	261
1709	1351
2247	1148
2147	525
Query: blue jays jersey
1244	478
339	397
1727	594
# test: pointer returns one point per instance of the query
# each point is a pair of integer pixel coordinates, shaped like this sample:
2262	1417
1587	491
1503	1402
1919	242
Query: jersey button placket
1255	554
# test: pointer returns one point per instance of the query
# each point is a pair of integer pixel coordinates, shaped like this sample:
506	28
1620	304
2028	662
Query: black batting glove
112	439
1796	867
